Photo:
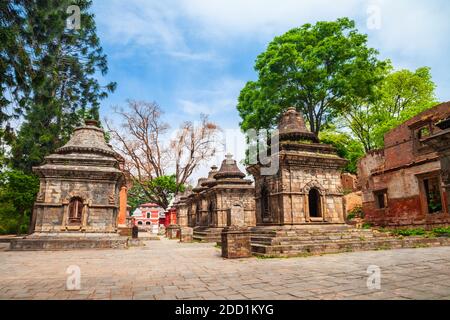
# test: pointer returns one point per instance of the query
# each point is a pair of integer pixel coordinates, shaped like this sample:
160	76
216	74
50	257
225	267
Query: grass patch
418	232
409	232
442	232
367	225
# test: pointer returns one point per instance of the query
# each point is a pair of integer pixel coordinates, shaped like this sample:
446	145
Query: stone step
346	246
263	239
67	244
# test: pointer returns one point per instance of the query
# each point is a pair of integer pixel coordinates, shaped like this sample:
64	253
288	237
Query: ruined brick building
402	184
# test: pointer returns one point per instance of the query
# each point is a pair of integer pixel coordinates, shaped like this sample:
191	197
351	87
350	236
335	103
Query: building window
421	132
75	211
140	223
424	132
432	189
148	223
381	199
148	215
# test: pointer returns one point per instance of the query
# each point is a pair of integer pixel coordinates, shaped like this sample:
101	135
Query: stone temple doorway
314	203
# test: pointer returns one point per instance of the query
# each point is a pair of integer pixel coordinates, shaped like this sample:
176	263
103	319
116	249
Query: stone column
123	227
121	221
236	236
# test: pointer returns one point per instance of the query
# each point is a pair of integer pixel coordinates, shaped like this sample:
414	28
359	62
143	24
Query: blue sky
194	56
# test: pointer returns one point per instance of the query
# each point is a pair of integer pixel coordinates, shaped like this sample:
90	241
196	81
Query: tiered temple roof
210	181
229	173
292	127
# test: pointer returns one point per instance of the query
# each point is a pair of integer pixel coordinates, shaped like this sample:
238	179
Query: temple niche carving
307	186
79	186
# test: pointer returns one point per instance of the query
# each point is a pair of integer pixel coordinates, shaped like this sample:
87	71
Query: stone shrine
216	195
307	186
78	202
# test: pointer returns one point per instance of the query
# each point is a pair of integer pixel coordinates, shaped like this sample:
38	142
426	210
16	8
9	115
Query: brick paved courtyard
167	269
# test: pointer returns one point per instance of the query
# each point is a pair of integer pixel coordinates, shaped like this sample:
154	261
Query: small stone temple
307	186
78	201
215	197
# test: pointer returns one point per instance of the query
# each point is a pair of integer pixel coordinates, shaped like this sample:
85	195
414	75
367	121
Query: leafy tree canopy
313	68
400	96
159	190
17	193
47	75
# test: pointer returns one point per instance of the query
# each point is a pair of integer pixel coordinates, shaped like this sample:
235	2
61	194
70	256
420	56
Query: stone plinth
236	242
173	231
186	234
125	231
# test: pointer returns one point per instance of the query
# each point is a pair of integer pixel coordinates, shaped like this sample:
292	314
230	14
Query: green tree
404	94
312	68
346	147
17	193
400	96
159	190
53	85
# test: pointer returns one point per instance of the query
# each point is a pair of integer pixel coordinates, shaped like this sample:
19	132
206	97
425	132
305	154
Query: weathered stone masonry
307	186
80	185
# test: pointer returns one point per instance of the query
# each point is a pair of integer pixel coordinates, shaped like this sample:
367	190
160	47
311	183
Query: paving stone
195	271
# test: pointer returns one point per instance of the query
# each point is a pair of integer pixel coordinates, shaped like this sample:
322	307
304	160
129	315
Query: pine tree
59	87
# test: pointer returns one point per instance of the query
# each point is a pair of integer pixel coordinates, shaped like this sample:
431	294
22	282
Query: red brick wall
399	142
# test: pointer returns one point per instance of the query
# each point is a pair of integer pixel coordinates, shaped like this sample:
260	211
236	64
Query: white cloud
262	17
413	28
146	27
220	97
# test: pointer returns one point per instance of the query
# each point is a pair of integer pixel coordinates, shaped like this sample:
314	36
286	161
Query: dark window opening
140	223
148	223
423	132
197	213
211	209
75	211
148	215
381	199
314	203
265	202
433	194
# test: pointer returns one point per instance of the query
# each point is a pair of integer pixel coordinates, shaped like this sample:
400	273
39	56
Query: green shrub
356	212
410	232
442	231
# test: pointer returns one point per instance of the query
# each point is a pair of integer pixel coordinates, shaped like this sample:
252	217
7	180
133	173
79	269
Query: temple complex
78	202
